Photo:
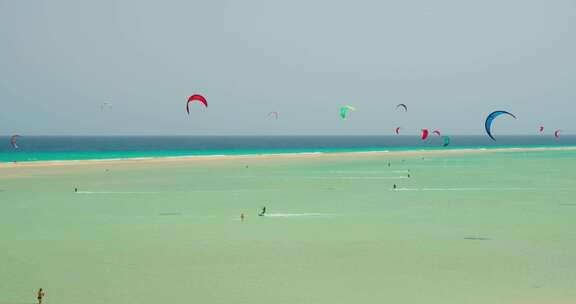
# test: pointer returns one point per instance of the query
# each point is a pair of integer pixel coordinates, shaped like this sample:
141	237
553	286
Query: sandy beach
422	152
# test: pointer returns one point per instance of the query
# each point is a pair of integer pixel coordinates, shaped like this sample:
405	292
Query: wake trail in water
114	192
284	215
479	189
349	177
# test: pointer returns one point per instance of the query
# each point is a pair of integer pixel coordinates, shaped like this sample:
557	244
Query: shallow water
476	228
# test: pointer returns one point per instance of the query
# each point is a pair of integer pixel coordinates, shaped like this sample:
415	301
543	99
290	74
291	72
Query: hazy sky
451	61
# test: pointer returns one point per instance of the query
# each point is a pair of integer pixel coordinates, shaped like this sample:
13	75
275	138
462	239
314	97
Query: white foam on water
363	172
114	192
328	177
476	189
230	191
349	177
169	213
298	215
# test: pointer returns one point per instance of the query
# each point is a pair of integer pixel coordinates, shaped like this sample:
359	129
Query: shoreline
296	155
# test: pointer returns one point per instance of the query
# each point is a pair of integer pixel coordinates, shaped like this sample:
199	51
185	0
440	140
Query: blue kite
490	118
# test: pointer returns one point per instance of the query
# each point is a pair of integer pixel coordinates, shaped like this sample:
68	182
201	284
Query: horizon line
265	135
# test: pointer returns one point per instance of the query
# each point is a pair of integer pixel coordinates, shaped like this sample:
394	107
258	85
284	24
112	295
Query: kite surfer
40	295
75	190
394	187
262	212
242	216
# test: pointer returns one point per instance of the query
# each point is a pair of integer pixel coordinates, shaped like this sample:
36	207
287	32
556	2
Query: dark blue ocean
47	148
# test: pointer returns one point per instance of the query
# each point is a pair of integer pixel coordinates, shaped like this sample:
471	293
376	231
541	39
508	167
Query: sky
451	61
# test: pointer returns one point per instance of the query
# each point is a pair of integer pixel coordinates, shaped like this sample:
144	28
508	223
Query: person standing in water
242	216
40	295
263	211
